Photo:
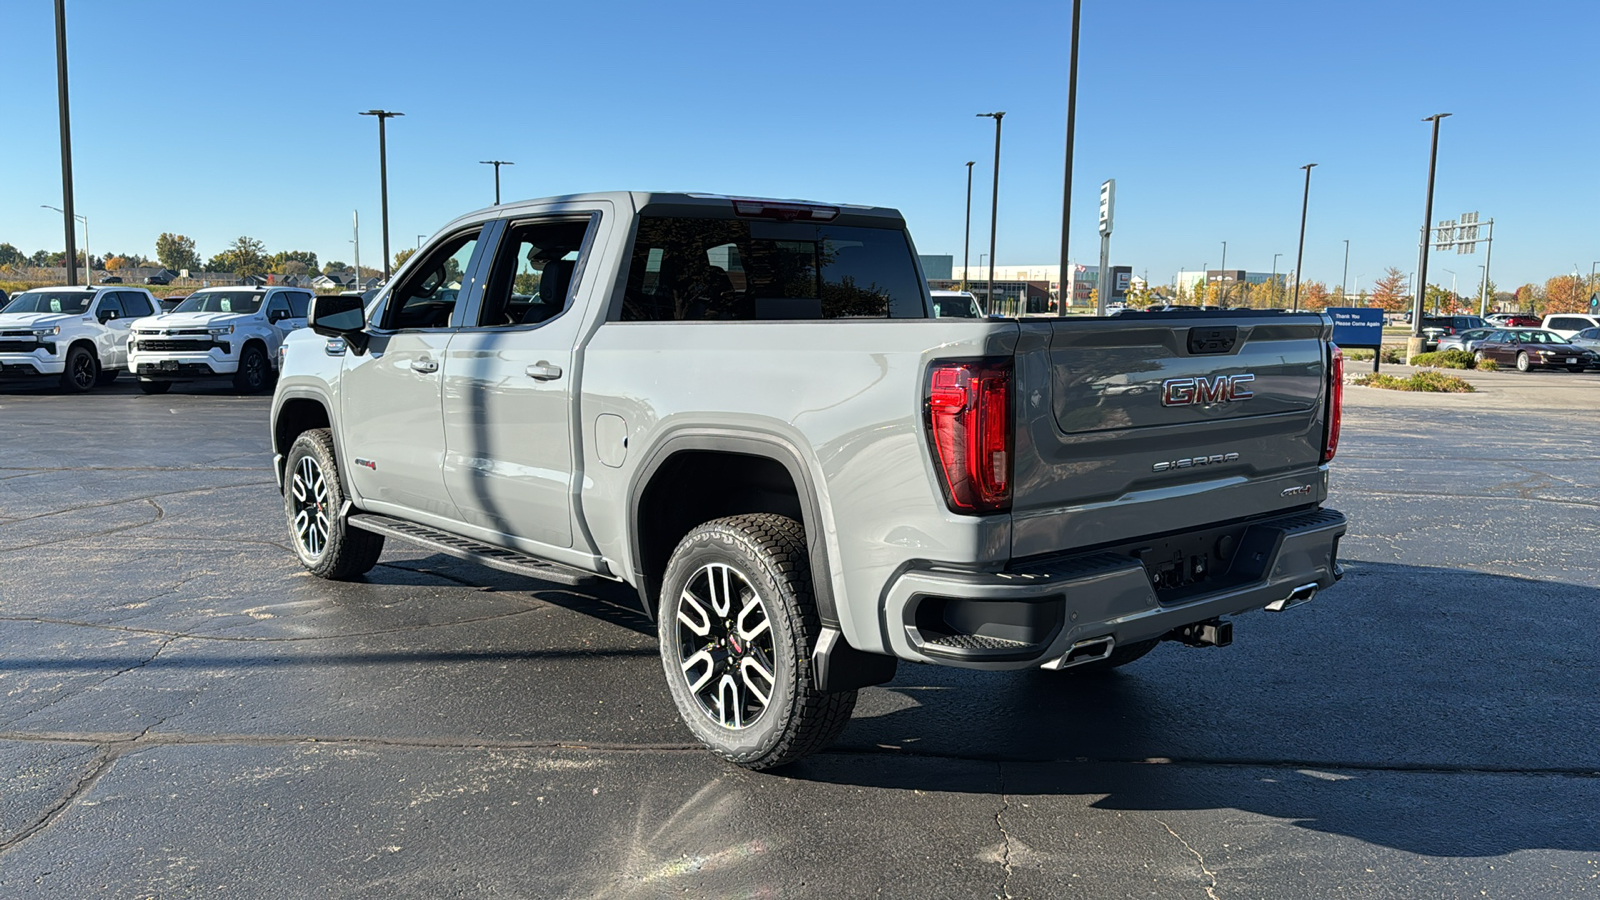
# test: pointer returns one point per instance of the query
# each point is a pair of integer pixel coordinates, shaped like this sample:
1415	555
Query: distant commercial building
937	265
1085	279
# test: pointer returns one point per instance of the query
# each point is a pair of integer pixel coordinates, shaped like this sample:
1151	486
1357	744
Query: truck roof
637	200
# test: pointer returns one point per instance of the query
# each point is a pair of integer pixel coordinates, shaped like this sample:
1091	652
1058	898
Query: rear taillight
969	428
1335	400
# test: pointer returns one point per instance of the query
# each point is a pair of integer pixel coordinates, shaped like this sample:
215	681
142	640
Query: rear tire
736	620
254	373
82	371
313	503
1478	357
155	387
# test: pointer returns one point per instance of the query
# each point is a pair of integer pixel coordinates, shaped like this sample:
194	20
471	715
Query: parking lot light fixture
994	204
966	243
497	163
1419	286
383	180
1300	256
88	269
66	148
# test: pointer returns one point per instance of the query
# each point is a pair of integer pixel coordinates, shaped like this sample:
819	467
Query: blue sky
221	119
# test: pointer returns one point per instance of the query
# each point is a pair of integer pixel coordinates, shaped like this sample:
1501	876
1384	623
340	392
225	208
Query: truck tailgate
1149	424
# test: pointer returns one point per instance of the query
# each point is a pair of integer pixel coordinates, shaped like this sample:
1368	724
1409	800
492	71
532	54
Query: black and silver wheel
155	387
737	625
1523	363
82	371
313	499
254	373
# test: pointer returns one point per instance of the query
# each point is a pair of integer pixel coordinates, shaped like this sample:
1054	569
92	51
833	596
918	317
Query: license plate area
167	365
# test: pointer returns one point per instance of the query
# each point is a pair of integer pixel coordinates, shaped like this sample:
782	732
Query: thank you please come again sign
1356	327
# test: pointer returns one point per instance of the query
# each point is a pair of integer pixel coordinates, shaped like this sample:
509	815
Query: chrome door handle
543	371
425	366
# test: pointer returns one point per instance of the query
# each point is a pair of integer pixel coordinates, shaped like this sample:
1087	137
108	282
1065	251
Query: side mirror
339	316
276	315
107	315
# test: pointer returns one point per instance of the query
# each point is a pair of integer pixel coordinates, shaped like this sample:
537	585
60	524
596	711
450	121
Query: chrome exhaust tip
1085	651
1302	594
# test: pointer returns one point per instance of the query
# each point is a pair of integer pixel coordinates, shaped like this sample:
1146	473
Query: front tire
254	373
1523	363
737	625
155	387
313	501
82	371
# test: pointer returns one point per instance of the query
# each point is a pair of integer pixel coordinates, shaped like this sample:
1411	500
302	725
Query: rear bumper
1033	615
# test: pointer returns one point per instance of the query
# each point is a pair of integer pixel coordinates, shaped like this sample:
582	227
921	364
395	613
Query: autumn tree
279	261
1565	294
401	257
176	251
11	256
1314	296
1390	291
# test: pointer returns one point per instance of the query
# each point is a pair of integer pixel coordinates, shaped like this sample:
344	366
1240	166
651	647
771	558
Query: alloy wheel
725	646
83	373
309	488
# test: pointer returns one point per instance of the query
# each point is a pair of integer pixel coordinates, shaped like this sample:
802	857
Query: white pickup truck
231	332
78	335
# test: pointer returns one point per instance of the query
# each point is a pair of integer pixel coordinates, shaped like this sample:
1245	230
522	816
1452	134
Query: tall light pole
72	265
383	182
1275	276
66	147
1344	280
966	243
1483	289
994	203
1452	290
355	225
1300	255
1222	277
1416	344
497	163
1066	182
419	240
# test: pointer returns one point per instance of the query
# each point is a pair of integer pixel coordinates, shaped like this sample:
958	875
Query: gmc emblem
1204	392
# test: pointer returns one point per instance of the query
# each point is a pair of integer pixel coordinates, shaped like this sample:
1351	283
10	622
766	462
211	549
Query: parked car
1535	348
158	279
110	279
168	304
1512	320
78	335
807	478
230	332
1436	327
1466	340
1589	337
955	305
1569	324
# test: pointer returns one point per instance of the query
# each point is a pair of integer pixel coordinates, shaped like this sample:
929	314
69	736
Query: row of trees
1562	293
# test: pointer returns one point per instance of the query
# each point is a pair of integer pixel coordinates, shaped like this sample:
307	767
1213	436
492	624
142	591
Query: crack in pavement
150	498
93	534
103	764
73	695
1005	836
1211	889
535	606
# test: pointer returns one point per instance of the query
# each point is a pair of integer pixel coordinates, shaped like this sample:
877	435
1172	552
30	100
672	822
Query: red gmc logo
1205	391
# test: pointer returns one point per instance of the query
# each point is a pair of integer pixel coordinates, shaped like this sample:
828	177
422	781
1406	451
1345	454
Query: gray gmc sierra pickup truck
747	410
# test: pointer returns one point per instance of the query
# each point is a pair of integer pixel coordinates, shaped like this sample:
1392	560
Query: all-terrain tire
747	580
82	371
327	546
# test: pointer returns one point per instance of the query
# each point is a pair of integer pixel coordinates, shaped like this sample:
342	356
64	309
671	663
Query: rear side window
299	302
1568	323
135	305
741	270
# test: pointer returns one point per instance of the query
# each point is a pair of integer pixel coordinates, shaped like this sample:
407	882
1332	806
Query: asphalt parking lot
185	713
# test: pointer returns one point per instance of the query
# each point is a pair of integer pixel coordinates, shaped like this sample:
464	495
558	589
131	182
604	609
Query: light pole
1483	289
1300	255
497	163
1452	291
1222	277
419	240
966	243
355	225
1275	277
994	200
1066	182
1344	280
383	182
66	148
1419	287
72	261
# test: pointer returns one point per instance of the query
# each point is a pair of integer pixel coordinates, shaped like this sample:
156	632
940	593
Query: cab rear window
745	270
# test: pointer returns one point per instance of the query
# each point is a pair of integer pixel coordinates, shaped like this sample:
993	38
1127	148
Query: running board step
471	550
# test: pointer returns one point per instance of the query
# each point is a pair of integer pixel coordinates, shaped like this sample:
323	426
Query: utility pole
383	183
994	205
1066	278
67	214
966	243
1416	344
1300	256
497	163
